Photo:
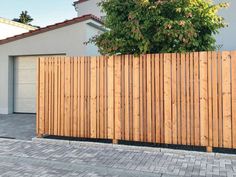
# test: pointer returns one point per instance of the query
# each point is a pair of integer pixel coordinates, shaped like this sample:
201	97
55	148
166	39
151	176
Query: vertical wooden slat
220	100
157	98
153	99
162	98
63	96
149	98
117	97
75	98
38	97
141	110
131	58
179	103
191	72
174	98
188	100
111	98
203	99
42	97
82	98
55	97
183	101
67	96
93	98
167	98
233	67
127	110
210	108
136	98
196	100
215	126
226	91
101	94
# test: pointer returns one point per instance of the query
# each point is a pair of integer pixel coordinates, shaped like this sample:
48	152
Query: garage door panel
24	105
25	84
25	63
25	76
25	89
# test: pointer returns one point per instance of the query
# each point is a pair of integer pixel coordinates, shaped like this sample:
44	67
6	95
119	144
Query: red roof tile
51	27
79	1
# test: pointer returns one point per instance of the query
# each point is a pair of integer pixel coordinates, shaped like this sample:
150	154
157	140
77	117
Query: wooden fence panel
185	99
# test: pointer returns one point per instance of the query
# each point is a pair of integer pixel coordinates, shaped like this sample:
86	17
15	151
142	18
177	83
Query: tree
155	26
24	18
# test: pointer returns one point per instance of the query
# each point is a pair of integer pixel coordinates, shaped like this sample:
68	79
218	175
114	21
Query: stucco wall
89	7
67	40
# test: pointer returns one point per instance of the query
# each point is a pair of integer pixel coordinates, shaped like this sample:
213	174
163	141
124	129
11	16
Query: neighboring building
226	38
10	28
84	7
18	56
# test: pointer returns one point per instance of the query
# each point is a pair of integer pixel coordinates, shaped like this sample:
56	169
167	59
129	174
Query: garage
25	84
18	58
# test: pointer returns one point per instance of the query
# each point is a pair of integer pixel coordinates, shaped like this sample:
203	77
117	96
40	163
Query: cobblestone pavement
18	126
37	158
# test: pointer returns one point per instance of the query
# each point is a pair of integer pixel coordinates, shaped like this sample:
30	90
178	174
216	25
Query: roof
79	1
17	24
51	27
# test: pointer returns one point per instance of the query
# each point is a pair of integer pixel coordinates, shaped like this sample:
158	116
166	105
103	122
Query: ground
17	126
43	157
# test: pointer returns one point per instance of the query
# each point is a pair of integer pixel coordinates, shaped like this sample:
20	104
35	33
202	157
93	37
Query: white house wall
68	40
89	7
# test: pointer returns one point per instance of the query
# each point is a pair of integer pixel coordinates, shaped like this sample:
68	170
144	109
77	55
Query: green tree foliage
155	26
24	18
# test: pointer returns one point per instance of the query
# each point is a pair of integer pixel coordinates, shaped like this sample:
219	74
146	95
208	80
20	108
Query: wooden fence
182	99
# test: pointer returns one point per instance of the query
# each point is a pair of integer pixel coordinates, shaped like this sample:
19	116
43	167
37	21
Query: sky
44	12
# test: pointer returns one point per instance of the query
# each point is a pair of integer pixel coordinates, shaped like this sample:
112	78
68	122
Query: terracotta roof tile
51	27
79	1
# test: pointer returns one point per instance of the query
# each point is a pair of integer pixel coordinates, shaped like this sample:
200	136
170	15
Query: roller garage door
25	84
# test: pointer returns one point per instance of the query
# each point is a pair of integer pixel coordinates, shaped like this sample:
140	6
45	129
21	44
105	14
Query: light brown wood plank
188	123
179	118
149	99
136	98
215	122
67	97
220	101
196	100
174	98
226	91
191	71
203	99
157	98
117	97
42	97
233	67
183	101
210	99
167	98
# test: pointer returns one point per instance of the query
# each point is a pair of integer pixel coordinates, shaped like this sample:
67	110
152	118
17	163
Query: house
88	7
225	39
10	28
18	56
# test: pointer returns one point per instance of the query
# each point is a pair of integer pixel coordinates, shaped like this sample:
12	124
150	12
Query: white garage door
25	84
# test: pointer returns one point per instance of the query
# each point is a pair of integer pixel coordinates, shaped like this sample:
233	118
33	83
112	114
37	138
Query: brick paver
35	158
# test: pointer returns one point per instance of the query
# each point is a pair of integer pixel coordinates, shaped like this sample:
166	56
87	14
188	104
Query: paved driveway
18	126
33	158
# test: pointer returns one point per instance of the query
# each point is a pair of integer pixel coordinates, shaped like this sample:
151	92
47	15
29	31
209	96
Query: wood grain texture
184	99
